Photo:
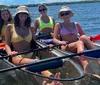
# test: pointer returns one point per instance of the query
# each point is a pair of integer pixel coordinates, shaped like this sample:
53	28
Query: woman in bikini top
72	34
45	24
69	31
20	35
5	18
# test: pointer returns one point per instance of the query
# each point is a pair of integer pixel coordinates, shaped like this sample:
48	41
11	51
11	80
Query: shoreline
50	4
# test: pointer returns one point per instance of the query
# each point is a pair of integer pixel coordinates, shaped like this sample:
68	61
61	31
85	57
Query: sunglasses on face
65	13
44	9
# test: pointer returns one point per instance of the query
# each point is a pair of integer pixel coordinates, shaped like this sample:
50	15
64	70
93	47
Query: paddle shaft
25	52
42	36
48	60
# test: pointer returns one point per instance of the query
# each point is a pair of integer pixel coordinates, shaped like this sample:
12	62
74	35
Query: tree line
54	3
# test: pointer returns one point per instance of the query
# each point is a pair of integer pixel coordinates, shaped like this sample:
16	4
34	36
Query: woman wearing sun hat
20	35
69	31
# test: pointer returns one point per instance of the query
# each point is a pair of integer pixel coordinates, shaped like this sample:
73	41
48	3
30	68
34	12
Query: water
87	14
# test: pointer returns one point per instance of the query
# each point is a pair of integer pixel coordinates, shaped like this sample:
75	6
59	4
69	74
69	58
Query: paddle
28	51
2	45
95	38
42	36
52	59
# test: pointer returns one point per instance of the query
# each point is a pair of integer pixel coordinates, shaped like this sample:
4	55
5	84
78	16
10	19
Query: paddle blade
95	38
2	45
93	54
45	66
47	41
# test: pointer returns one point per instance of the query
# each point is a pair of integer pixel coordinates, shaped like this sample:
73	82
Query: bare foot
57	75
96	75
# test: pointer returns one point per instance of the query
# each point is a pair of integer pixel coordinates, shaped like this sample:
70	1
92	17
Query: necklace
23	31
70	28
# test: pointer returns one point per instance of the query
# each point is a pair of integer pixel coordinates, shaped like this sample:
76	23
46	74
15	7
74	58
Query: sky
23	2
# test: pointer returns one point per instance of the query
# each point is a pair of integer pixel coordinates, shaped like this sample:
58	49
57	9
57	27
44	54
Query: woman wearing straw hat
20	35
45	24
69	31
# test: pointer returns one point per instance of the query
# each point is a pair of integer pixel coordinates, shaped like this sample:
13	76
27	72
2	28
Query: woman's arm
80	30
8	39
56	33
53	21
33	32
36	25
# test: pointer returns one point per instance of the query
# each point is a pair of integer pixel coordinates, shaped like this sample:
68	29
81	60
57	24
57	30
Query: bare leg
87	42
80	46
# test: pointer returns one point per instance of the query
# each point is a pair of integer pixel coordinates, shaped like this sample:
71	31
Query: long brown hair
27	21
1	20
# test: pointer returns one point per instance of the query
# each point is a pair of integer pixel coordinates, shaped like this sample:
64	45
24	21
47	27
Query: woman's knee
79	42
83	37
63	48
80	46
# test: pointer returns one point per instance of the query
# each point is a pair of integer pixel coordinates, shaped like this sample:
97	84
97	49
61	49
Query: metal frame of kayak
60	53
56	51
20	73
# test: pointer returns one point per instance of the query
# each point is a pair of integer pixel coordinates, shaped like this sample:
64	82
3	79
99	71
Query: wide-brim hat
63	9
22	9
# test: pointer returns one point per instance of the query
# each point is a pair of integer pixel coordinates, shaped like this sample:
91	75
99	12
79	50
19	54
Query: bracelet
58	42
51	76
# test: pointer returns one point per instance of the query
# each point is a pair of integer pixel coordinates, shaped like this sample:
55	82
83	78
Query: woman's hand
57	75
13	53
62	42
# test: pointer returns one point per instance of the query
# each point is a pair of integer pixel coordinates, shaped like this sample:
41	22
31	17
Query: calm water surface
87	14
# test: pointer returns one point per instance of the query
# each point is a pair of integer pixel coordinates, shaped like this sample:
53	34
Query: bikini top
3	30
43	25
17	38
65	31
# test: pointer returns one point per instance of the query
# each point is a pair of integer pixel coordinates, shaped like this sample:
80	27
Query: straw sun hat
22	9
63	9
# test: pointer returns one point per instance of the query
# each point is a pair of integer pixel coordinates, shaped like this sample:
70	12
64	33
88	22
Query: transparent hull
71	71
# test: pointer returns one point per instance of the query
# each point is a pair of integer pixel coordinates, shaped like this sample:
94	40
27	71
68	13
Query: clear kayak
71	71
92	70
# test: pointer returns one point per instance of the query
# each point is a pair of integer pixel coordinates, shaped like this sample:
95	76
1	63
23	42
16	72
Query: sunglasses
44	9
65	13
